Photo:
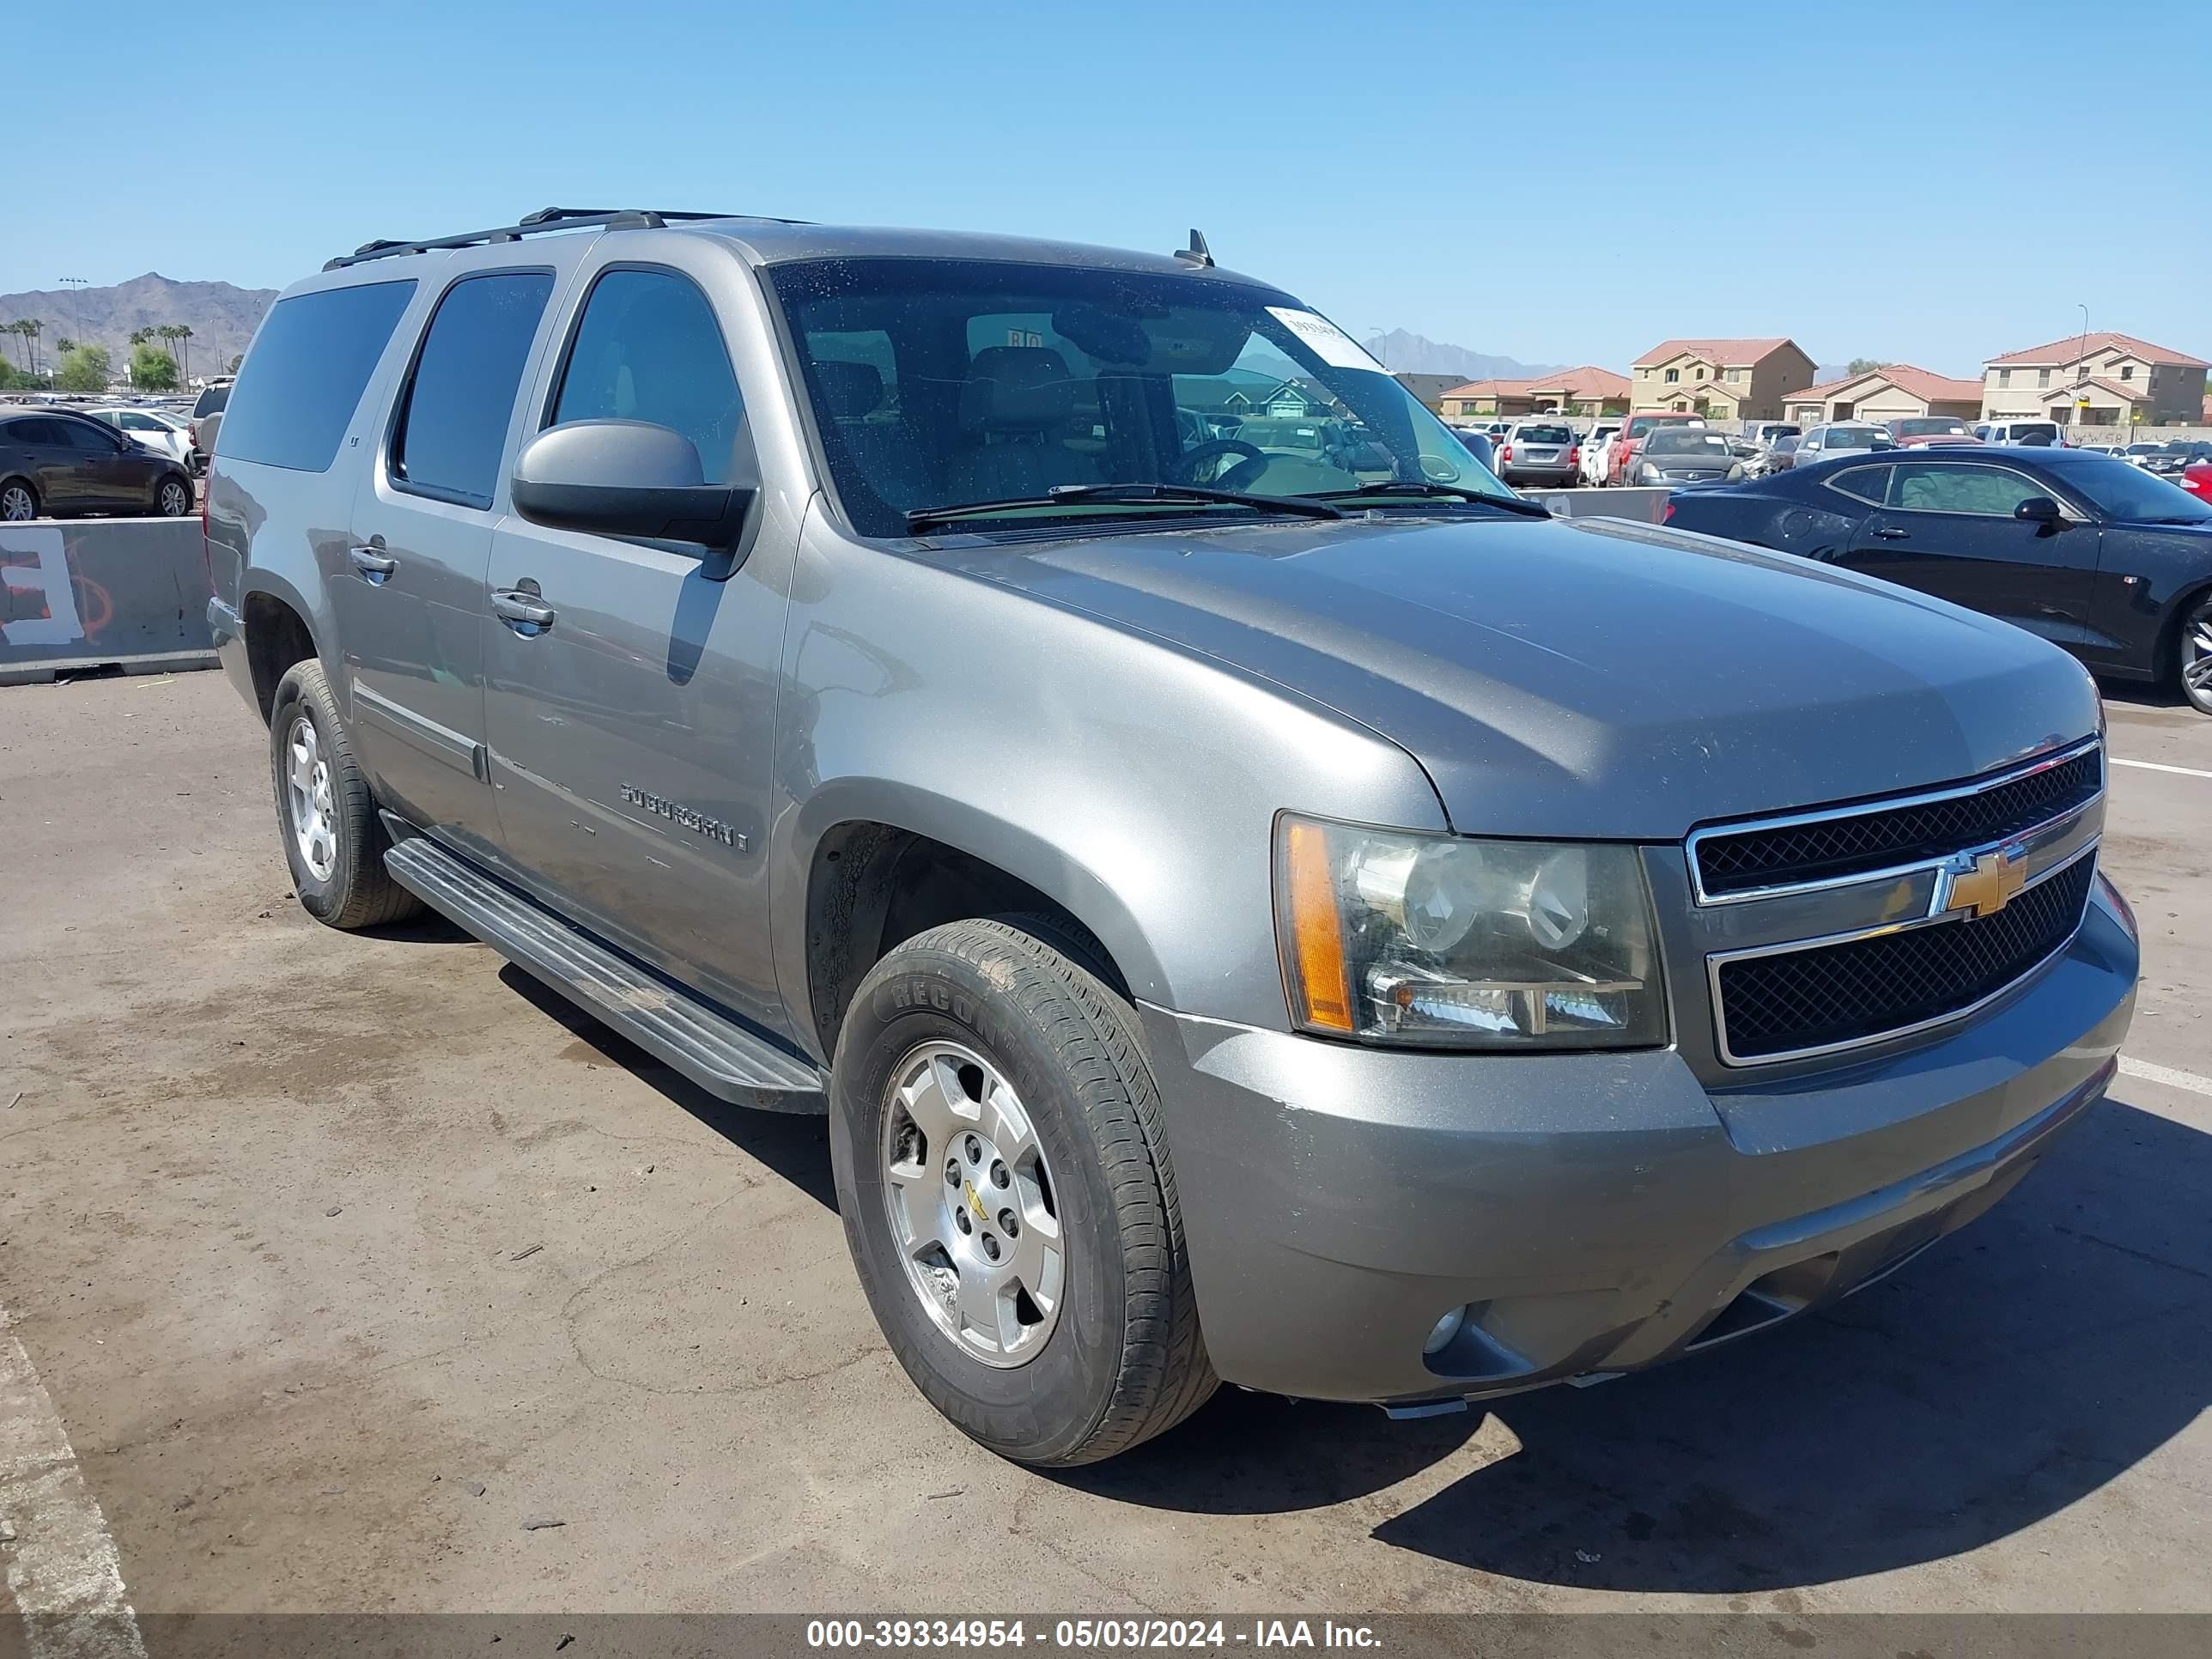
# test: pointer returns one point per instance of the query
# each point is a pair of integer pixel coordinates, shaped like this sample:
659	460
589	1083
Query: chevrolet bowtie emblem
1988	885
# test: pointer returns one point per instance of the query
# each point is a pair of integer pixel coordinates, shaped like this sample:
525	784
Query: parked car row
56	463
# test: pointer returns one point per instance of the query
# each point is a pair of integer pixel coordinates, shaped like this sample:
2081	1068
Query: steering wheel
1184	468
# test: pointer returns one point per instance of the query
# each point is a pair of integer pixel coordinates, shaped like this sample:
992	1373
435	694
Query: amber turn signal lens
1315	967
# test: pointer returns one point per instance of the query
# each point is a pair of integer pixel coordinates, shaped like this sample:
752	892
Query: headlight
1736	473
1455	943
1648	473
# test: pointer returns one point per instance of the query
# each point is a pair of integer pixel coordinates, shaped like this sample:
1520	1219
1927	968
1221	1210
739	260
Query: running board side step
721	1056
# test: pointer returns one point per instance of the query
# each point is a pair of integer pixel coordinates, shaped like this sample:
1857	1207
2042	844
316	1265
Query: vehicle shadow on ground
2016	1367
2142	694
795	1148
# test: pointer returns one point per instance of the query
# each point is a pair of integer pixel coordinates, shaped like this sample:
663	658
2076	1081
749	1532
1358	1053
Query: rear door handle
1890	533
523	611
373	563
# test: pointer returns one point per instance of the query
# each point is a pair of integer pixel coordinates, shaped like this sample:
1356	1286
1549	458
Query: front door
411	593
630	694
111	475
1948	530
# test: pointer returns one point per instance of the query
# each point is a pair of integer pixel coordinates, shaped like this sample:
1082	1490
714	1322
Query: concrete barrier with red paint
91	594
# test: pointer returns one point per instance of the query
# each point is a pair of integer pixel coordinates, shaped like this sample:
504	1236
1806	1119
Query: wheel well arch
277	636
870	886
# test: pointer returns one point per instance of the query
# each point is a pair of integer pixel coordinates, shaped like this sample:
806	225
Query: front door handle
1890	533
524	612
372	563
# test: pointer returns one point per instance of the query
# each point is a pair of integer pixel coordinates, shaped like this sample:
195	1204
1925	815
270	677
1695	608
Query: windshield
1856	437
1923	427
2121	491
1693	442
938	382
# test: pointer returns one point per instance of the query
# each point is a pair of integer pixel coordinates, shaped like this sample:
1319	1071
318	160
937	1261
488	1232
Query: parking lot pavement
341	1260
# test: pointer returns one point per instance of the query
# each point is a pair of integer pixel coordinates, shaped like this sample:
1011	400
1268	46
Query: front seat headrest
1016	389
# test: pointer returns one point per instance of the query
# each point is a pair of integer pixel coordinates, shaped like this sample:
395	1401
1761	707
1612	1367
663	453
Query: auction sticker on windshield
1329	343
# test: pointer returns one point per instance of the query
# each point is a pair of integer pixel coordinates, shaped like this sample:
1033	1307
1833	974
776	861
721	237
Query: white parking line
2152	766
2166	1074
61	1566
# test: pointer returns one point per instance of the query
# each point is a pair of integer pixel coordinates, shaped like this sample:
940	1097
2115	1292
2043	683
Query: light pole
75	287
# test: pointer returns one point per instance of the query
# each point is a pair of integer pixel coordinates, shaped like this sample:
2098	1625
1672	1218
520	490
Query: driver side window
1984	491
649	349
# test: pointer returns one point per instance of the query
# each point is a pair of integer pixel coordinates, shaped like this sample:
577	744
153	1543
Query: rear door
1947	529
631	728
52	462
410	596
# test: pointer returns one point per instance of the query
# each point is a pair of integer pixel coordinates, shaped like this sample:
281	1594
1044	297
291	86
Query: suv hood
1584	677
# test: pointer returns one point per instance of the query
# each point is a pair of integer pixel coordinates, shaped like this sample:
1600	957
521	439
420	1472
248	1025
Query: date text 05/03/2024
1090	1635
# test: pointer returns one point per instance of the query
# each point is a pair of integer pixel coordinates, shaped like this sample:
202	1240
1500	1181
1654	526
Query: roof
2074	347
1923	383
1728	354
1587	381
2131	393
777	242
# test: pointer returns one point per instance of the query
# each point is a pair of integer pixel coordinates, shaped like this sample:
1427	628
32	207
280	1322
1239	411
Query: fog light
1446	1329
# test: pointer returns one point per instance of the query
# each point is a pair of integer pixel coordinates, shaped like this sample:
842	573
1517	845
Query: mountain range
221	317
1403	352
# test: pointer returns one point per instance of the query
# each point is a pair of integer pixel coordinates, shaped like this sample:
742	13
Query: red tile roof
2074	348
1728	354
1924	384
2133	392
1586	382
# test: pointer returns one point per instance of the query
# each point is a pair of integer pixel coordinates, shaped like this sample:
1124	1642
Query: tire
2192	652
173	496
19	501
1118	1358
342	881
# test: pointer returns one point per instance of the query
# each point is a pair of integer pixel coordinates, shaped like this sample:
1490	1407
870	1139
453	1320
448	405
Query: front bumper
1593	1213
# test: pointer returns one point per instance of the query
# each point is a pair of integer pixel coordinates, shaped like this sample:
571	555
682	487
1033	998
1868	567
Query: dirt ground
343	1260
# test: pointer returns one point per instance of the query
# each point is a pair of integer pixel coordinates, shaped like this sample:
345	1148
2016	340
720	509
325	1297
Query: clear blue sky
1563	182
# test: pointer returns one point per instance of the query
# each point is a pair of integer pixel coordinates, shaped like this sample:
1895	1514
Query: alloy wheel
314	813
175	500
2196	657
16	505
972	1205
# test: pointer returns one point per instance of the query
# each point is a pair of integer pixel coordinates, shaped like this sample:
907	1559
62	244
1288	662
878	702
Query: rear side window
453	424
648	348
297	394
1869	484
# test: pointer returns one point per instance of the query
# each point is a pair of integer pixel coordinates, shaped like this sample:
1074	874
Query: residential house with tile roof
1727	381
1587	391
1893	392
2102	379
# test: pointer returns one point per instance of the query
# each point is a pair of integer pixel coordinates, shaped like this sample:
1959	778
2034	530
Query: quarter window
648	348
452	427
1869	484
303	380
1984	491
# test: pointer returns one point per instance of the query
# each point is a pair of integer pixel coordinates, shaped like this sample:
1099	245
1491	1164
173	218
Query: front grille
1836	994
1884	837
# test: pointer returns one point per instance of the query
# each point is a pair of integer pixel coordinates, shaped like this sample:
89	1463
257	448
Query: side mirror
2038	510
626	478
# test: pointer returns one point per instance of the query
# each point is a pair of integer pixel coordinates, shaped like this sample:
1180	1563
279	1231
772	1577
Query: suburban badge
676	813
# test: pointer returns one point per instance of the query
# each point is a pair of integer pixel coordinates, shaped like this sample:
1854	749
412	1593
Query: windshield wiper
1386	487
1116	494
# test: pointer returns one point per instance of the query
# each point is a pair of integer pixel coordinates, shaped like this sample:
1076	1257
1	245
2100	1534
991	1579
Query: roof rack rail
551	218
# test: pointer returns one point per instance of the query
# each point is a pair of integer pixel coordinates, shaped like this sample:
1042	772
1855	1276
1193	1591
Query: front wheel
1004	1180
2195	653
173	498
333	839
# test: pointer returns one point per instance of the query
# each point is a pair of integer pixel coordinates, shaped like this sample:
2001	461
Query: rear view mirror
626	478
2038	510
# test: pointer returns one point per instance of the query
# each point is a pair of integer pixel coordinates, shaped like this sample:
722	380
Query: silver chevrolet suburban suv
1302	918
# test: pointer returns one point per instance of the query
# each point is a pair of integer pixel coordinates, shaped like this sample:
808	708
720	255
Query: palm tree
140	336
11	328
63	345
32	328
184	339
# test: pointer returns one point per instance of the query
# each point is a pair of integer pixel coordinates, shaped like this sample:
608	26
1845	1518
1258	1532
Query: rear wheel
19	502
173	499
333	839
2196	652
1008	1198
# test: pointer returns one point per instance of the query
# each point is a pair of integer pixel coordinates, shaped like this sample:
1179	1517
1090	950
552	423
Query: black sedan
54	464
1686	455
2095	555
